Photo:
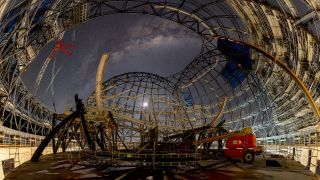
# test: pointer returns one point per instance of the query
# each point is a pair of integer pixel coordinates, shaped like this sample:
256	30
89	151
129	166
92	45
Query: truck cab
241	146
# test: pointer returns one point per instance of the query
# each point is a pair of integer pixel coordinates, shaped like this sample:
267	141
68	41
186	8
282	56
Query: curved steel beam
217	117
288	71
194	16
99	80
298	81
44	143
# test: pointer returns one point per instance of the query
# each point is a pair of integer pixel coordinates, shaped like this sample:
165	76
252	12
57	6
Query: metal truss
268	100
143	101
72	128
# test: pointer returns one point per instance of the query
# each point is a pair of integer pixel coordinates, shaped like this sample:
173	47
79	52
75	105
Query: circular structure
259	94
140	102
143	101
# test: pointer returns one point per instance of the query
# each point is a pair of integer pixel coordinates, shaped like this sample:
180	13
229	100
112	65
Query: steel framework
268	99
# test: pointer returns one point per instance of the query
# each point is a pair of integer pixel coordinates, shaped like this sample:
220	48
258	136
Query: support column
53	126
36	155
80	109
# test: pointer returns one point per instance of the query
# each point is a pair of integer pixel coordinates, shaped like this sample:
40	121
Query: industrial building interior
172	89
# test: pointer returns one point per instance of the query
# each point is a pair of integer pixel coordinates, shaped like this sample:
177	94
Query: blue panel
11	15
233	74
42	9
11	25
235	52
187	98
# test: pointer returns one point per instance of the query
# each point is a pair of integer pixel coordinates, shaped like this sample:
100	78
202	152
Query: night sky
136	43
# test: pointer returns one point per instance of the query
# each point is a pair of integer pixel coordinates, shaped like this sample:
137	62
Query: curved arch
191	14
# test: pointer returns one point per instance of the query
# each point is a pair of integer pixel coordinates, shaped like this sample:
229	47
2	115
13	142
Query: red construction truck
239	144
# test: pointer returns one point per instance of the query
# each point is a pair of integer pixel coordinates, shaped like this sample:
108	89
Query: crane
60	46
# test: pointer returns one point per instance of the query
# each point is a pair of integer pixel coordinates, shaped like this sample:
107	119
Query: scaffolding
263	96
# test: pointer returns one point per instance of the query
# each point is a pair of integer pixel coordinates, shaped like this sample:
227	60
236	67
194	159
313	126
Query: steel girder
246	21
126	94
68	130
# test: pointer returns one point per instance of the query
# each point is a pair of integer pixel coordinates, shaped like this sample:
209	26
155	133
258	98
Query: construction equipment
60	46
239	144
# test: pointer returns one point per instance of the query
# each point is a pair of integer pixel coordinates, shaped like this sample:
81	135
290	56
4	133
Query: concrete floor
20	155
290	170
61	166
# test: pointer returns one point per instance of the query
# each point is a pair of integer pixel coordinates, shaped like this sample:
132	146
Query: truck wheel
248	157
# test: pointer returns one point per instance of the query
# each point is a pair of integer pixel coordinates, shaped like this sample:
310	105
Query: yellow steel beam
287	70
197	18
217	117
298	81
194	16
99	78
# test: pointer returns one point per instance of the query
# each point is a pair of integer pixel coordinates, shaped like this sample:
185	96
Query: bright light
145	104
